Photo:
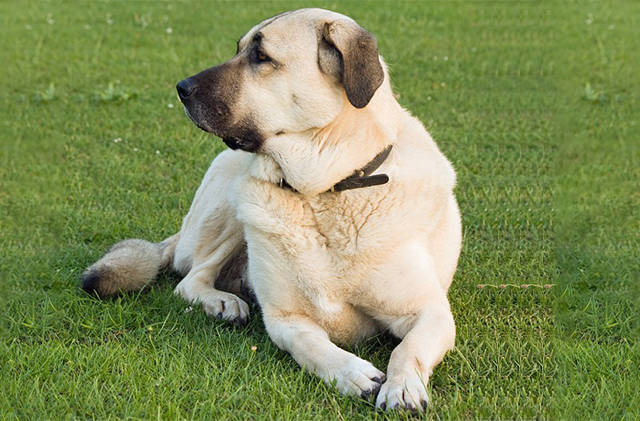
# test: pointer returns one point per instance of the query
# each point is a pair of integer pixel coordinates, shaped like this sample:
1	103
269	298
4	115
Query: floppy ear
361	70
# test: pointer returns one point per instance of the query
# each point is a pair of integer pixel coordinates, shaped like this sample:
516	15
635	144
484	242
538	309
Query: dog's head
292	73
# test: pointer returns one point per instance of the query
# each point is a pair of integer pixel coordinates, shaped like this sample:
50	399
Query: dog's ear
351	53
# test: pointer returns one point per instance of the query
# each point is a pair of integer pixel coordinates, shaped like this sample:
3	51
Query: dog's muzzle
208	99
187	89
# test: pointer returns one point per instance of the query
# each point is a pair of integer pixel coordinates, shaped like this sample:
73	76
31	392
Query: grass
598	223
535	104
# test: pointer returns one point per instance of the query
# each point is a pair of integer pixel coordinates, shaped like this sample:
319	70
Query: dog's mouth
200	124
243	137
245	144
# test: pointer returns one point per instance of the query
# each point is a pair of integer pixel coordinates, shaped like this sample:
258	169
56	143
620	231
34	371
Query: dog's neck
314	161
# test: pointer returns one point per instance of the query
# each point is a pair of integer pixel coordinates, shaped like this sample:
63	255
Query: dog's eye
260	57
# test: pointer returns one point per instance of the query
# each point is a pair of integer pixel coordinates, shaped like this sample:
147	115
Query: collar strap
360	178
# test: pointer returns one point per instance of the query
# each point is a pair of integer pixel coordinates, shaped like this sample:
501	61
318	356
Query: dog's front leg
311	347
430	335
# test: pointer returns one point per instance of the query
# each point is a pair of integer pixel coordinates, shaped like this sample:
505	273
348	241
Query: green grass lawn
536	104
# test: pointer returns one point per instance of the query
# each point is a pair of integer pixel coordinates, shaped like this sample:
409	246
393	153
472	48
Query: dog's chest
346	221
311	255
342	224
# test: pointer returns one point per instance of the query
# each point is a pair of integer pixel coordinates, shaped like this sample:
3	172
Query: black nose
185	88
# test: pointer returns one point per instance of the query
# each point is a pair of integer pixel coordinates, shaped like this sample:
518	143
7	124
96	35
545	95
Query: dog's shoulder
419	161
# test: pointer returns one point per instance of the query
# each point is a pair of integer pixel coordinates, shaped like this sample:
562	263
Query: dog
332	206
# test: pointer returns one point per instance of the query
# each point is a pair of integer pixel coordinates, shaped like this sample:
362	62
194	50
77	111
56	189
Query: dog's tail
128	266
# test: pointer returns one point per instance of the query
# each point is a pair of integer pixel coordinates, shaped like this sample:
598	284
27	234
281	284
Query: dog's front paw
357	377
404	392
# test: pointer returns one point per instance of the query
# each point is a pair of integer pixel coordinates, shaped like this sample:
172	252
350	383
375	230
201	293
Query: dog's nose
185	88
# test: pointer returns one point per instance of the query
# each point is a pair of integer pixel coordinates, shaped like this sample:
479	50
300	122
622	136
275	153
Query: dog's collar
360	178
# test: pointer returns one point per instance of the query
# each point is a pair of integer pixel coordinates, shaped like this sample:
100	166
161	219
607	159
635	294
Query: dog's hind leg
212	241
198	286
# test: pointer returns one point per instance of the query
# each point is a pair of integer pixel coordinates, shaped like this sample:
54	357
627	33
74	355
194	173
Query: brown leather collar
360	178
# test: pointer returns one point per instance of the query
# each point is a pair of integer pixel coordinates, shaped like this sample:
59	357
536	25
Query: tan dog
307	101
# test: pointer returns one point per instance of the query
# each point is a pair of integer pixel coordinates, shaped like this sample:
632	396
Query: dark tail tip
91	281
